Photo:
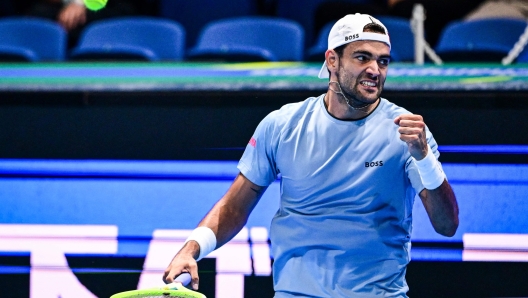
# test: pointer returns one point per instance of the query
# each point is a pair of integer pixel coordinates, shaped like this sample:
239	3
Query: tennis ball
95	4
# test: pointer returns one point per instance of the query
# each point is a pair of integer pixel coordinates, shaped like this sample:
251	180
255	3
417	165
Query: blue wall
141	196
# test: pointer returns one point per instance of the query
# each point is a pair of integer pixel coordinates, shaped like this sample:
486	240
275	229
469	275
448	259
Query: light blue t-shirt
347	189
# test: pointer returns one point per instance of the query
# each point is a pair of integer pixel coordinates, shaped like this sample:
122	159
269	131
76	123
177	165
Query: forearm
442	207
224	222
230	213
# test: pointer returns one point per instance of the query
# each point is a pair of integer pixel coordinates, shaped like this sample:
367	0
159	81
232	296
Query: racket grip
184	278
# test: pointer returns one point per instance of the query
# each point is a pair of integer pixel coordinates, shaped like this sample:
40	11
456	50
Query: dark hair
370	27
374	27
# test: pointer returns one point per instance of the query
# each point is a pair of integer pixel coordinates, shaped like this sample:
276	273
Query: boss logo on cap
351	37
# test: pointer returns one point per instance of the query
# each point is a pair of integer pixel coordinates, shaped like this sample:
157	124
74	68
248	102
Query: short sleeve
410	165
258	161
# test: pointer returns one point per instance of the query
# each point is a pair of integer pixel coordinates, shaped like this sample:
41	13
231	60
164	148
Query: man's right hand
184	261
227	217
72	16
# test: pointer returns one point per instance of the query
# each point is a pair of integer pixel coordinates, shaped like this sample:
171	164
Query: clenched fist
412	132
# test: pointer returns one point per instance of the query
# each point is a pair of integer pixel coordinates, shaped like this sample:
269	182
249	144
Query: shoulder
291	113
391	109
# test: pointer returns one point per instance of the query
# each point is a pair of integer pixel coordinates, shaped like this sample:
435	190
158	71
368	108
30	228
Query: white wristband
206	239
430	170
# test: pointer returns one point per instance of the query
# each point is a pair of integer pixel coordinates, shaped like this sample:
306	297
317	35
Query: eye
362	58
384	61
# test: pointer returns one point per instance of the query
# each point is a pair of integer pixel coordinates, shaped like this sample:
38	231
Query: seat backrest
479	40
45	40
401	37
165	38
282	38
303	12
317	51
195	14
523	56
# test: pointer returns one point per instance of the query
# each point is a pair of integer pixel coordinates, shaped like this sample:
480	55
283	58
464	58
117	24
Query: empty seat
304	13
523	56
250	39
131	38
401	37
317	51
31	39
194	15
479	40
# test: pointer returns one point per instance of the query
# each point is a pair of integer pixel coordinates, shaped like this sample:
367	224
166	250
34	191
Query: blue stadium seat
31	39
303	12
195	14
131	38
250	39
401	37
317	51
479	40
523	56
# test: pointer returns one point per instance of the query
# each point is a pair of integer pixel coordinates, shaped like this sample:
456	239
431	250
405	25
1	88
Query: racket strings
161	296
157	296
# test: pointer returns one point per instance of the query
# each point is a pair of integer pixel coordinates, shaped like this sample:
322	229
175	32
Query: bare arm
442	208
440	203
225	219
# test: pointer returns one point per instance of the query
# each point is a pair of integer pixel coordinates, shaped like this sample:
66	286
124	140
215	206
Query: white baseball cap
350	28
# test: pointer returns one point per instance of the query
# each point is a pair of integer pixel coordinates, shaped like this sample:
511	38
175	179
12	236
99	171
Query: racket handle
184	278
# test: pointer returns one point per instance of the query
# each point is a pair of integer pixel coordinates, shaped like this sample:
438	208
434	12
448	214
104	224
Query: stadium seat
303	12
401	37
131	38
250	39
486	40
317	51
523	56
194	15
31	39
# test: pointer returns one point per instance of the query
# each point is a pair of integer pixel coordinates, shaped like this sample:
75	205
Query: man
350	164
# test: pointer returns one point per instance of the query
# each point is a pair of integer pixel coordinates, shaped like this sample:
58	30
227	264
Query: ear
332	61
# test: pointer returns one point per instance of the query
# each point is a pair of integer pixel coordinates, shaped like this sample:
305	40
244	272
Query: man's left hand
412	132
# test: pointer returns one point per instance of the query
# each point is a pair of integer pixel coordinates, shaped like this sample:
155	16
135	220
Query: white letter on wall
50	275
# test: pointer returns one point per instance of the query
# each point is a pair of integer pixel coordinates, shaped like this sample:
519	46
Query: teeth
369	84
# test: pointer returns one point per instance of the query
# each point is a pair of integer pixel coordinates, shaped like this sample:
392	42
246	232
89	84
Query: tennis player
350	165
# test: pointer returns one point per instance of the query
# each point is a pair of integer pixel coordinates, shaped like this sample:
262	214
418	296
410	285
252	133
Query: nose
373	69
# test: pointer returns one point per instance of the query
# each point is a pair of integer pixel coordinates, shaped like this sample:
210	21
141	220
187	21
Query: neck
342	108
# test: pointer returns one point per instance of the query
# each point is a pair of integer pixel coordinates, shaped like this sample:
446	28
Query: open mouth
368	84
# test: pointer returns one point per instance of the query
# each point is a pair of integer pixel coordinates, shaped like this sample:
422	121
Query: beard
350	88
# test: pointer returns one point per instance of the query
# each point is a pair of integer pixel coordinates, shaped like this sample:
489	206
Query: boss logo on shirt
351	37
373	164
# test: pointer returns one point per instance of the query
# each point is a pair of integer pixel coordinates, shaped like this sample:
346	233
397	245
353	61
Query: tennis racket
176	289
